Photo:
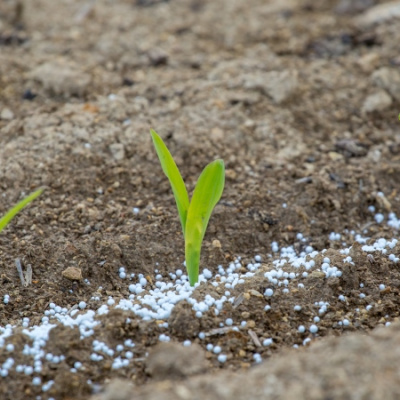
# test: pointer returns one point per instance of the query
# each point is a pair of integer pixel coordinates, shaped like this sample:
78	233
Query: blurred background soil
300	98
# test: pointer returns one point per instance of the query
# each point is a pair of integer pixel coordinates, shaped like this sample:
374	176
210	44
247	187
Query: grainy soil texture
300	270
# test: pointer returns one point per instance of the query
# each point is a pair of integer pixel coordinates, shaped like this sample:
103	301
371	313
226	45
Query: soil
299	98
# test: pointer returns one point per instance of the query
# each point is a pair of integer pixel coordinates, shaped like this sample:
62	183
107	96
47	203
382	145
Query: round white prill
313	328
267	342
164	338
10	347
28	370
257	358
129	343
119	347
143	282
217	350
132	288
110	301
222	358
36	381
301	329
82	305
268	292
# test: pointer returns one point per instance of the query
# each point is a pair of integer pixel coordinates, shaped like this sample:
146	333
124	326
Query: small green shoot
175	179
194	215
4	221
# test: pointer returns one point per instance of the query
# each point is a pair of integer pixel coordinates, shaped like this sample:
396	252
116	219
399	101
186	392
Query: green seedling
4	221
194	215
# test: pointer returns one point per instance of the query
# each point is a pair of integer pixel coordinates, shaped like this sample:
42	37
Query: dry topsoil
300	98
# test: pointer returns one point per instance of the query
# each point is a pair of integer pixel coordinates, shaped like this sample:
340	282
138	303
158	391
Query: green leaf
175	179
206	195
16	209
